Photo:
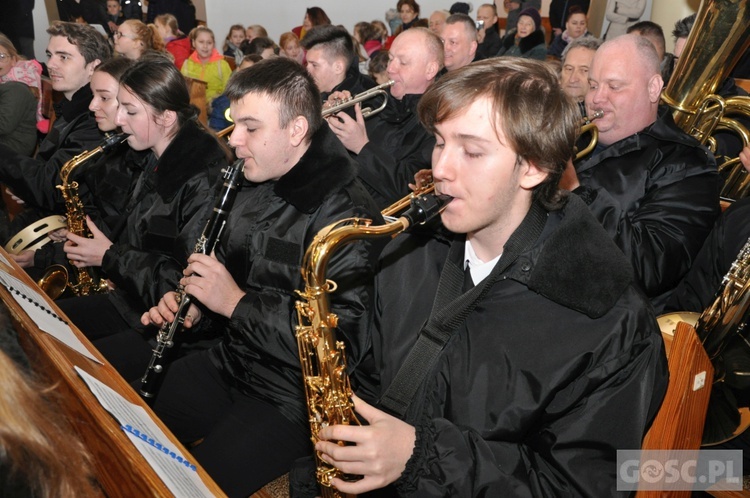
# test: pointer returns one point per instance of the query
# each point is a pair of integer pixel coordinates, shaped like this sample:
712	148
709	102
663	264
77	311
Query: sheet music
178	473
34	304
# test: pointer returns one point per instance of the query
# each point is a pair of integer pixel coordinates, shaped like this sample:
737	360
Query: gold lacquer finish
322	357
56	279
719	37
587	126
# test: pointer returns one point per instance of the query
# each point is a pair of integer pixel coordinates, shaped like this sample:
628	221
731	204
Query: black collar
193	149
79	104
323	169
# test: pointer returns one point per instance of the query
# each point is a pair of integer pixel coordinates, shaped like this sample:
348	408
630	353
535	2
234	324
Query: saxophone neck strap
451	307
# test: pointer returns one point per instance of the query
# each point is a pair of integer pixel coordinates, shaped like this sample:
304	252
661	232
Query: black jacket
147	258
269	228
699	287
532	46
657	195
355	83
559	365
34	179
491	44
399	146
104	188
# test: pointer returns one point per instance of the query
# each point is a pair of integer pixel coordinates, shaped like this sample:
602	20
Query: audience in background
206	63
437	21
232	42
290	47
378	68
527	40
260	45
29	72
254	31
176	42
459	41
408	11
576	63
576	27
559	10
133	39
314	16
487	35
115	17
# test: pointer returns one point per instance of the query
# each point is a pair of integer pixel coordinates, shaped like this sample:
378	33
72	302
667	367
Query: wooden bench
197	89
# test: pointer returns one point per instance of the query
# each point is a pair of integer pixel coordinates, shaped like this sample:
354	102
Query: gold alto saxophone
327	388
56	279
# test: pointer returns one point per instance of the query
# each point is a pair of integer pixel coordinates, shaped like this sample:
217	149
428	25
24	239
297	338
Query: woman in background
133	39
527	40
206	63
314	16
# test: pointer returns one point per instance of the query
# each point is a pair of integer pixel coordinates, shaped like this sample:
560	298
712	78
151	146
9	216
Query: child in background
206	63
232	42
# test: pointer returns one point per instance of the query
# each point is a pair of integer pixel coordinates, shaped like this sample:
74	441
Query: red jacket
181	49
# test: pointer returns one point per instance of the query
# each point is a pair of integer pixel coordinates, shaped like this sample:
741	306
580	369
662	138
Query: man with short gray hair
576	62
459	41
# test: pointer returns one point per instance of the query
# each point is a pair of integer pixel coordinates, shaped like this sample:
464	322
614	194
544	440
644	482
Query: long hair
37	445
157	82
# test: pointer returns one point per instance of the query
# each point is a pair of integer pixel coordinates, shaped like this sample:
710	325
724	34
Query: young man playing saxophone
244	397
557	361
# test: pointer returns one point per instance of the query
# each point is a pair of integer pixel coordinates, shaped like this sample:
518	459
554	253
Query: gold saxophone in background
56	279
327	388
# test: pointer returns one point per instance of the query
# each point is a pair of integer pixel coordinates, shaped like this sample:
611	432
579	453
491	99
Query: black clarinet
165	339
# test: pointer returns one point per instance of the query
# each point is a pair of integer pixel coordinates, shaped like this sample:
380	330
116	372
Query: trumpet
587	126
340	105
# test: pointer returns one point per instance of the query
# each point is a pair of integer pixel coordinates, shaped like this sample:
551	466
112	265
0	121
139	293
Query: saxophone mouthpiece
113	140
426	207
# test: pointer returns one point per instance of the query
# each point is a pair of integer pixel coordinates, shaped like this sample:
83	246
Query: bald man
392	146
653	187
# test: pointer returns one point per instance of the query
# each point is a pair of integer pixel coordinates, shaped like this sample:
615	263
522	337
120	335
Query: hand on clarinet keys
164	312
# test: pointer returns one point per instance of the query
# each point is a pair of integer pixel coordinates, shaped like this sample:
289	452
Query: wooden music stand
119	468
679	423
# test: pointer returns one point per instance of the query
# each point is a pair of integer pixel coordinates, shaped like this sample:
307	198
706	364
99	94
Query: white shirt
479	269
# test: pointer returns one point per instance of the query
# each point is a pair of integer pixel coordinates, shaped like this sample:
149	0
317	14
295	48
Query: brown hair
8	45
91	44
539	121
318	16
233	27
200	29
40	451
170	21
146	34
